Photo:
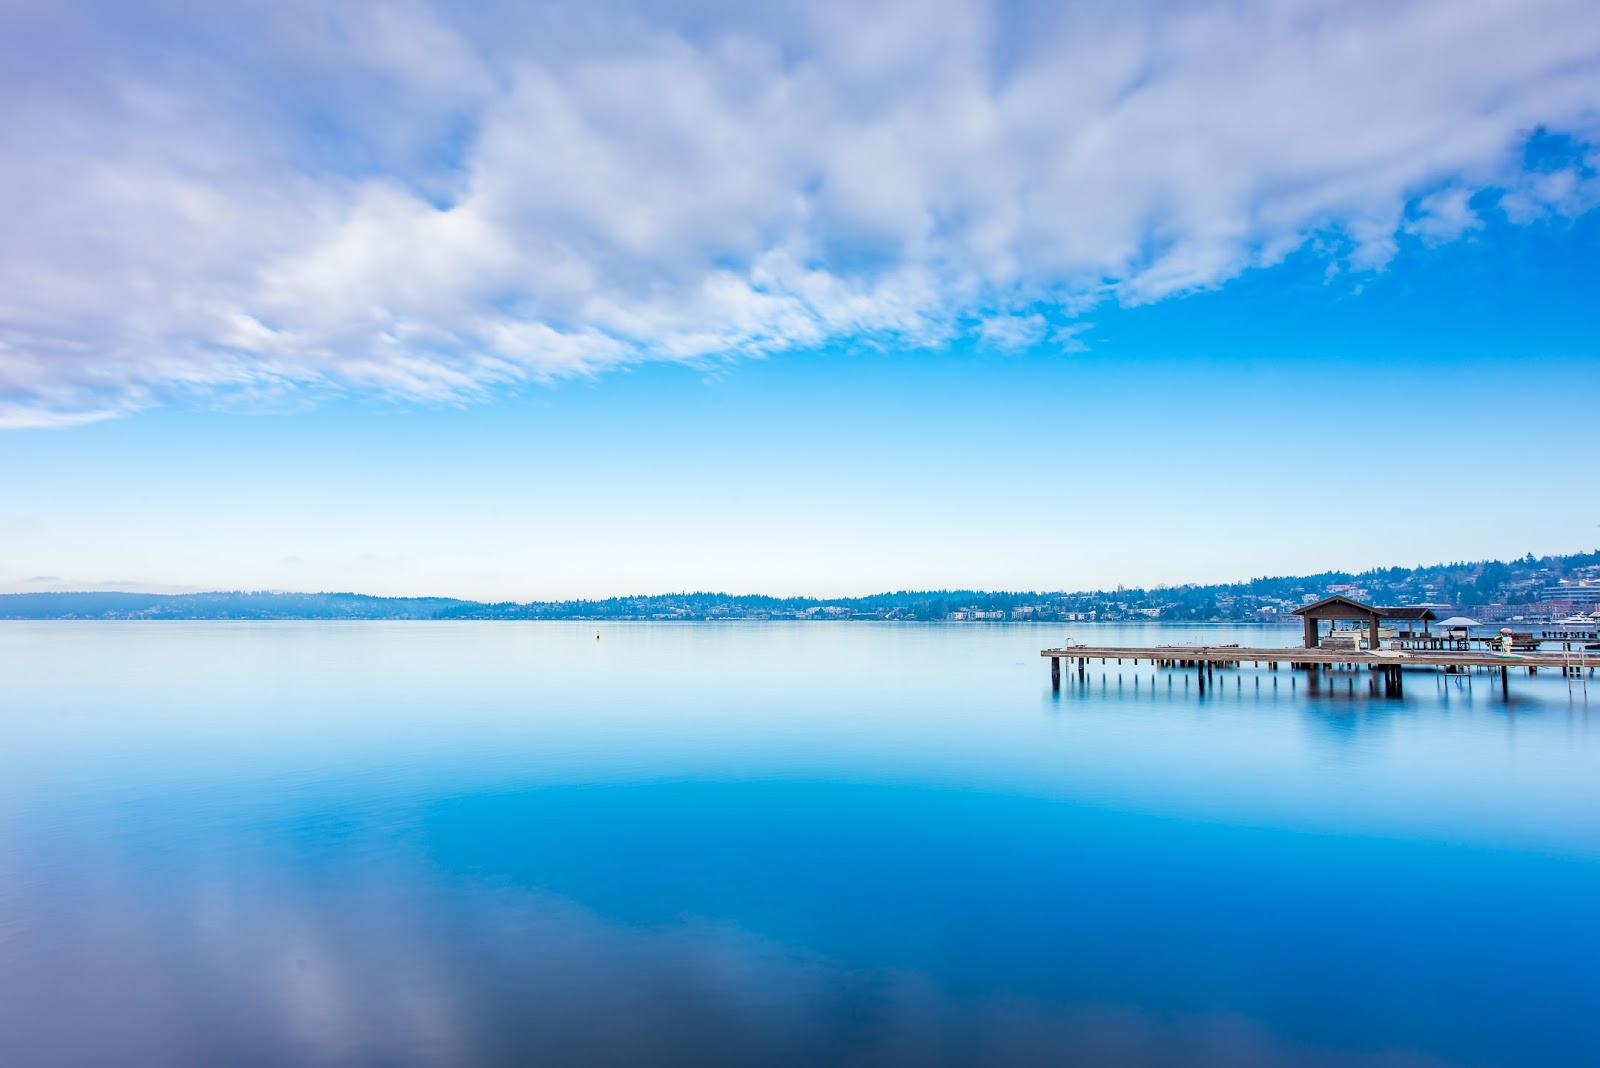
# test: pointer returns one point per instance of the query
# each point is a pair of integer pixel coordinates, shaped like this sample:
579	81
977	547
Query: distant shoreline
615	621
1529	589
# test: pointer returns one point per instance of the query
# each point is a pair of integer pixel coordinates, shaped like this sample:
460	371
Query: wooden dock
1388	663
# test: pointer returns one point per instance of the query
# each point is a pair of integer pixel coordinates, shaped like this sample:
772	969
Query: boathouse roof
1408	611
1332	607
1341	607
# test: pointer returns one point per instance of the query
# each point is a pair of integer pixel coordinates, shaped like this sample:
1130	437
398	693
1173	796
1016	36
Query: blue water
813	843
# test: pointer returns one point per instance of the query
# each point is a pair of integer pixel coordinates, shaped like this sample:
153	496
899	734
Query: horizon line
902	591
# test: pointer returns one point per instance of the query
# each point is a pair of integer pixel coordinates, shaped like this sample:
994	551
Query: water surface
271	843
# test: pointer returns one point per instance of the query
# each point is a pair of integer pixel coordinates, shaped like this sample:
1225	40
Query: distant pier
1358	644
1388	664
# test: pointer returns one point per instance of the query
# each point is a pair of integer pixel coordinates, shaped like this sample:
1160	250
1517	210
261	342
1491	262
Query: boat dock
1387	663
1358	644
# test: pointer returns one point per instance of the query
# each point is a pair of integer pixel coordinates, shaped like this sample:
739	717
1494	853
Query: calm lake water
811	843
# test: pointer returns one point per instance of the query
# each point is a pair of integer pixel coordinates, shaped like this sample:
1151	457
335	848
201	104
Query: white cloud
1012	331
40	417
436	202
1444	216
1566	190
1068	337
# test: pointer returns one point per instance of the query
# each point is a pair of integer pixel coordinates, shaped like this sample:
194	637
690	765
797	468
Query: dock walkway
1205	659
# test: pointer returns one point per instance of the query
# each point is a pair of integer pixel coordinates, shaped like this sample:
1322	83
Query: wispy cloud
1444	216
1012	331
436	202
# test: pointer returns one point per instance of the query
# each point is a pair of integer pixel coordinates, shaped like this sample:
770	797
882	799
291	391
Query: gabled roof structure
1331	607
1339	607
1409	611
1328	606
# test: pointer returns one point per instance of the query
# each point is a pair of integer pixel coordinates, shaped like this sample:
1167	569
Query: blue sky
468	300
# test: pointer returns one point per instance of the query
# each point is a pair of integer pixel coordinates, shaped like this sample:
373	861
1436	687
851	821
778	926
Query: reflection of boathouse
1367	619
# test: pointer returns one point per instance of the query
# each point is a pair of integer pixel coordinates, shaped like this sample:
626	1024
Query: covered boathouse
1338	609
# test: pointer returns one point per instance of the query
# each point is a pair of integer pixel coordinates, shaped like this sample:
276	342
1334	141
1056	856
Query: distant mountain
1533	587
235	605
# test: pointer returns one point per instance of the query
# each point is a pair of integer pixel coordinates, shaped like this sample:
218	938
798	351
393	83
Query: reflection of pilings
1392	676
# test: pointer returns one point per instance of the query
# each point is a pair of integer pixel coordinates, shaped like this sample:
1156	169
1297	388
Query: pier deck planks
1233	654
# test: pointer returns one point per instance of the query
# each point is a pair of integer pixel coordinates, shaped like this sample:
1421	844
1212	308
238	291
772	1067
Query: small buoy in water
596	635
